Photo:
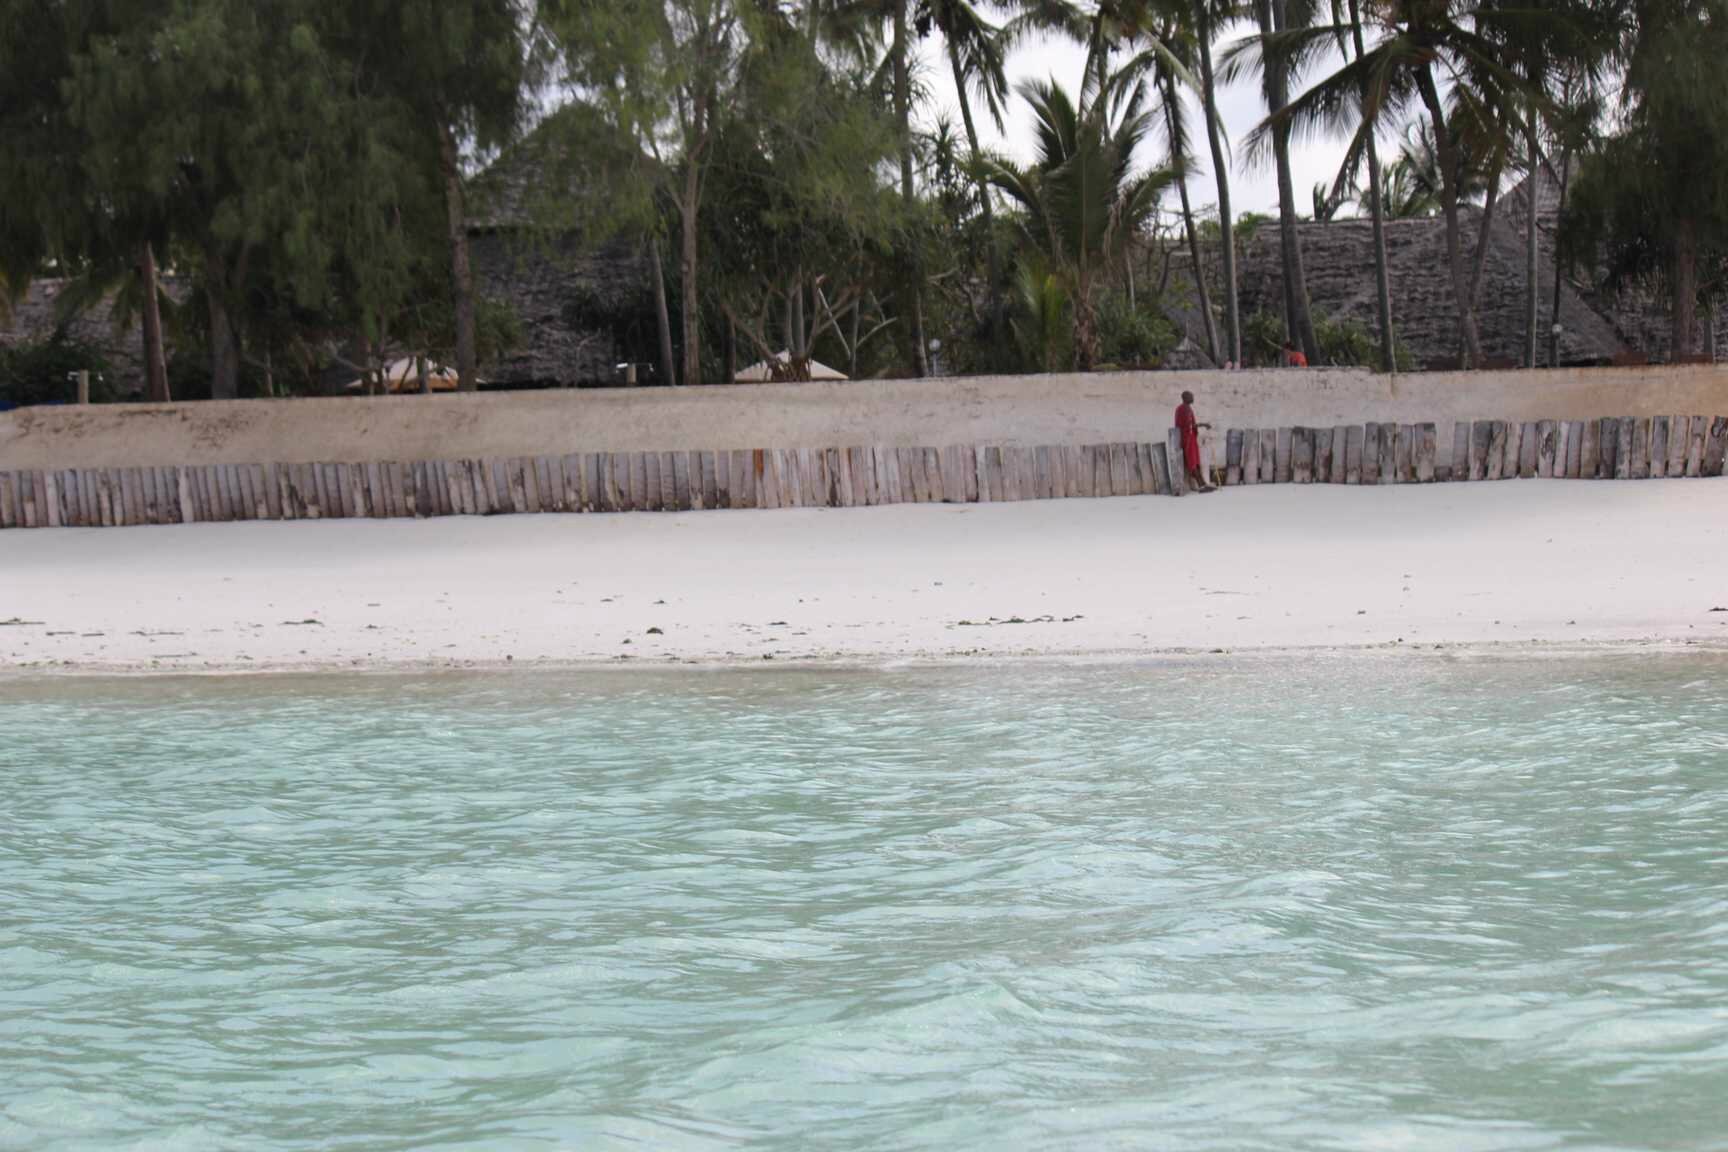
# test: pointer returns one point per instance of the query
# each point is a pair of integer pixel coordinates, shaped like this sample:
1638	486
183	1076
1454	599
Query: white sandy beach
1522	562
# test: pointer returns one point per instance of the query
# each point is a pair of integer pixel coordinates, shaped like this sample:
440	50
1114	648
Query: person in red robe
1189	427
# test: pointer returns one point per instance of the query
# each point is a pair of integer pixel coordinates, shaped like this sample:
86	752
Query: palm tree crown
1082	199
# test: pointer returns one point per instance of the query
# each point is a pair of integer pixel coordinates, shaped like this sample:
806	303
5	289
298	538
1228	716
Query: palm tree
1404	195
1181	160
1328	199
977	57
1082	200
1162	30
1207	14
1273	17
1178	33
1376	204
1417	41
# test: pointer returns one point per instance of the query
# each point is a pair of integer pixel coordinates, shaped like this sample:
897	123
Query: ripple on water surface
1334	903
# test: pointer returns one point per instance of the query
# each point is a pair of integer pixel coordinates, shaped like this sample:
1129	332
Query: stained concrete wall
1017	411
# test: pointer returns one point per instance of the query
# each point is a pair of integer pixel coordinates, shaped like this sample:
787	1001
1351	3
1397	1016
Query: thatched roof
584	305
1338	260
1640	315
34	319
581	310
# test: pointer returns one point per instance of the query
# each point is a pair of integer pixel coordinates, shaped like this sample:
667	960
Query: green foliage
1041	321
285	155
1247	225
1262	339
1130	337
1651	204
1346	343
1082	198
39	373
1343	343
798	223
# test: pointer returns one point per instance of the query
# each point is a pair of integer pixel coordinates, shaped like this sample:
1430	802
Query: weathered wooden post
1641	448
1623	448
1546	449
1497	452
1695	446
1715	446
1676	463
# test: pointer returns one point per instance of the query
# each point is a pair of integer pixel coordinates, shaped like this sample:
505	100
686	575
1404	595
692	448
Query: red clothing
1295	359
1190	429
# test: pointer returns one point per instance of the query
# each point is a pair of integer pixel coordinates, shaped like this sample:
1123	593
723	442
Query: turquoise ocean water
1333	903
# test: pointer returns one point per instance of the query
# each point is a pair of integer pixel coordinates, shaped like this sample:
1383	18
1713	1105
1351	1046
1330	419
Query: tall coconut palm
1207	15
1082	199
1416	43
1159	32
1177	136
1351	13
1273	16
977	57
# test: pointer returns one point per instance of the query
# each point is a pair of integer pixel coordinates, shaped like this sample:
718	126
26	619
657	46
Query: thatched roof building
1338	261
583	306
36	318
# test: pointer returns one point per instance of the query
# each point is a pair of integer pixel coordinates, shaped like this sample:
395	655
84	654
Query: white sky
1252	189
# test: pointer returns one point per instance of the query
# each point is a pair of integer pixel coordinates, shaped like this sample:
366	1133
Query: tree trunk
1170	120
990	263
852	350
1377	211
423	375
461	274
1448	156
688	251
662	322
1685	290
1085	333
368	378
1559	276
155	359
1221	173
796	345
1532	240
911	303
1490	205
689	205
731	352
1299	319
224	346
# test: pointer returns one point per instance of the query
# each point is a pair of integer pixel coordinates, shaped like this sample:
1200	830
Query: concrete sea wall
1026	412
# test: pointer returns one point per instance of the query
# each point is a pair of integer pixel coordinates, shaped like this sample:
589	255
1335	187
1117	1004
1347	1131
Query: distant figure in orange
1293	357
1189	427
